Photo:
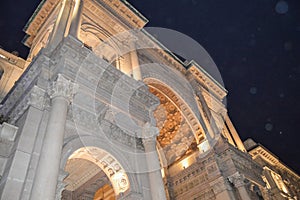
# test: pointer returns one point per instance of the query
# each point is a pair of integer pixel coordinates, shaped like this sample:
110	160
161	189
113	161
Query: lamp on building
203	146
185	163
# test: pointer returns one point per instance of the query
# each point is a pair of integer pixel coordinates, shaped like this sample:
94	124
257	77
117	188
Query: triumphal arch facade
102	110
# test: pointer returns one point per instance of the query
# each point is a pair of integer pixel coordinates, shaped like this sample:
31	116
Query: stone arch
175	81
80	144
180	131
96	38
42	39
107	163
177	89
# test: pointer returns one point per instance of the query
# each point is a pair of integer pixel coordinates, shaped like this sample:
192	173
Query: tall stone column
238	181
234	134
61	23
76	19
45	181
155	177
136	71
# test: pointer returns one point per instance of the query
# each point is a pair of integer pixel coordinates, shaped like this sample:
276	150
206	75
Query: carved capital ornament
62	87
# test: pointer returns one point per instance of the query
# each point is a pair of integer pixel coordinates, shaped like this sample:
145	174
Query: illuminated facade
101	110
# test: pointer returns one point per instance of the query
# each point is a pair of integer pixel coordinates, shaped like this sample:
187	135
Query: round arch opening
179	134
94	174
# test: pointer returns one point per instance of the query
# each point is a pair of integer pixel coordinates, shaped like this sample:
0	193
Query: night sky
255	44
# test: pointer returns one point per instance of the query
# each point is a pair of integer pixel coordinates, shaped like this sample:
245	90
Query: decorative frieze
20	91
83	118
116	134
220	185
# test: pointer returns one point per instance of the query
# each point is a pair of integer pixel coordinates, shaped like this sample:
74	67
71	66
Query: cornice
127	12
122	8
160	51
270	158
207	81
39	16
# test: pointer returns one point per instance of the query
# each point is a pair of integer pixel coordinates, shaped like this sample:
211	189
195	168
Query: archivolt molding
93	10
99	39
180	130
182	106
109	164
101	144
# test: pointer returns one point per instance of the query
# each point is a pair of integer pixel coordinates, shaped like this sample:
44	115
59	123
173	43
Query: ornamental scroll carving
62	88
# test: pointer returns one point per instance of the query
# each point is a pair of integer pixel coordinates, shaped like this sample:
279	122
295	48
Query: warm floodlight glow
203	146
110	166
120	182
163	173
185	163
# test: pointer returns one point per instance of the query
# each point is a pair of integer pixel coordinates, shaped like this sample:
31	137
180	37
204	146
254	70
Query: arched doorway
94	174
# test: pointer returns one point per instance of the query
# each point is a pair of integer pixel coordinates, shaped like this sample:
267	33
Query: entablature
271	159
127	12
39	17
128	16
208	82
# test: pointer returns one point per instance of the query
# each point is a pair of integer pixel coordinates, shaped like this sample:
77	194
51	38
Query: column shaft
76	19
61	23
155	177
136	71
44	186
243	193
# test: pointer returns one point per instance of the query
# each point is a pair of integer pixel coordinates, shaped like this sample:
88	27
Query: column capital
237	179
62	87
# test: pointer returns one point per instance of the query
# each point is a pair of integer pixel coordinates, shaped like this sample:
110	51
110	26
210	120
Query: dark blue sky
255	44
